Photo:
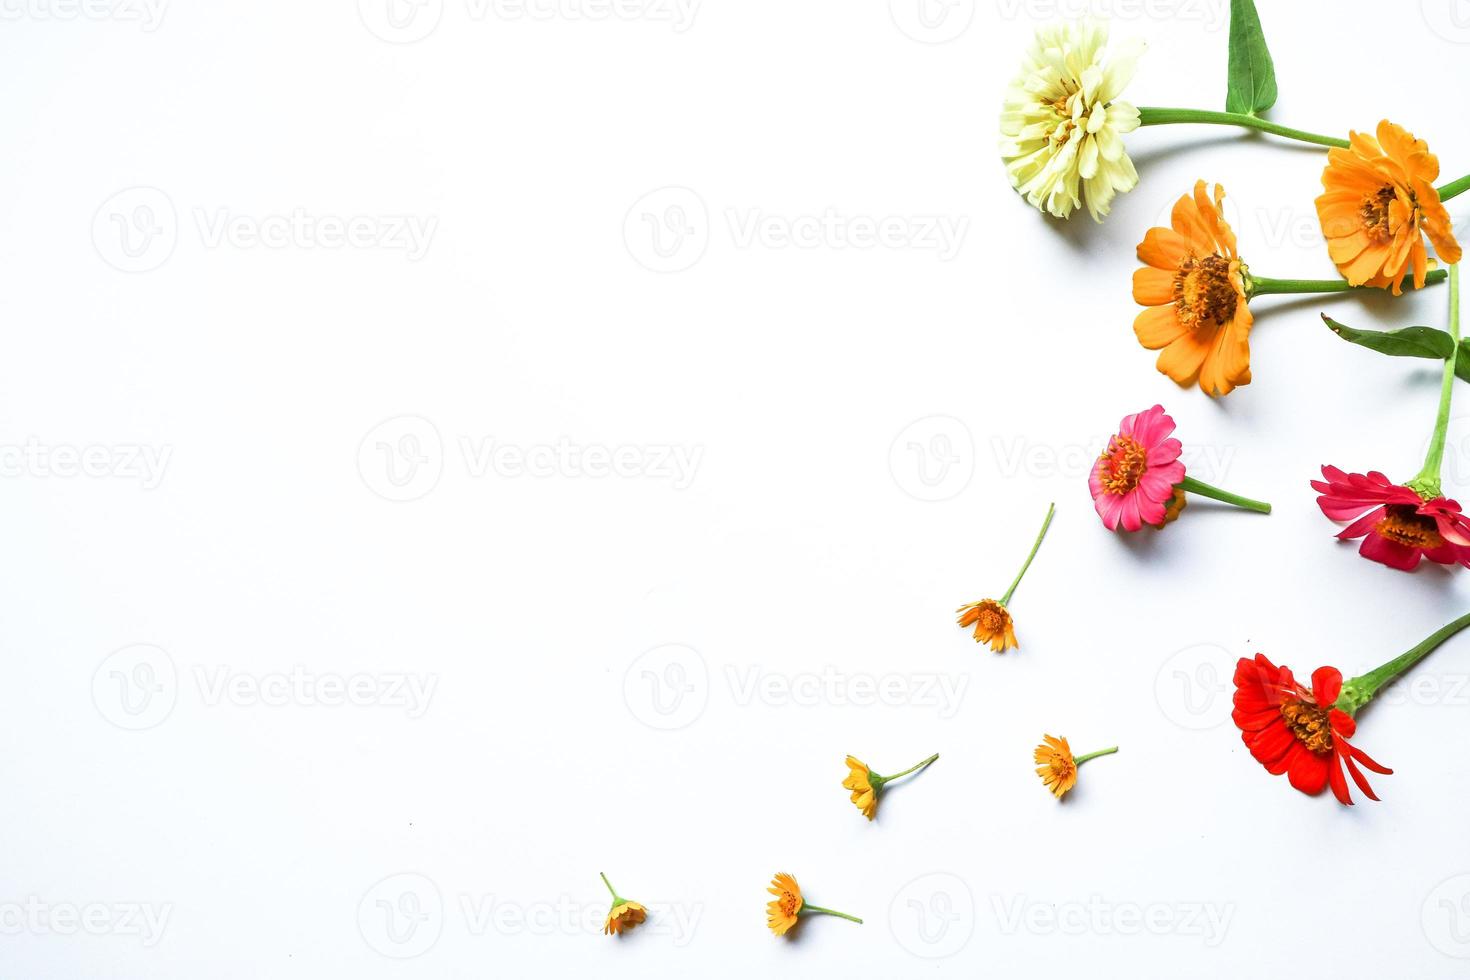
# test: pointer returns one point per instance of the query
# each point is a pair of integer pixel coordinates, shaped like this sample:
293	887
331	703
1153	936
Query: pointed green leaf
1408	342
1252	86
1462	361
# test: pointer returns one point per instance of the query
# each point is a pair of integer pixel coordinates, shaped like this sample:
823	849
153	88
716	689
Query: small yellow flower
992	622
782	913
1057	768
867	784
990	617
623	914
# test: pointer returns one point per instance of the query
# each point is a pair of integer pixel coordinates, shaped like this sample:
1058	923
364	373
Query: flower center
789	904
1374	212
1204	291
1404	525
991	620
1123	465
1309	723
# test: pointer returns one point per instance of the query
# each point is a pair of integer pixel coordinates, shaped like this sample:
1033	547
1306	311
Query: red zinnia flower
1400	526
1292	730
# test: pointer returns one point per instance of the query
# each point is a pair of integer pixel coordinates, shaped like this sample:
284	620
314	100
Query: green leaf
1252	86
1408	342
1462	361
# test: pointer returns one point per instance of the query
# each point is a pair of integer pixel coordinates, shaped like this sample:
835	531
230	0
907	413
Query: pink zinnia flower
1400	527
1133	481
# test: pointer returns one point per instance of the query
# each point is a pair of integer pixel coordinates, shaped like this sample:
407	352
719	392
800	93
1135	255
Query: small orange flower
1056	765
992	624
867	784
1194	285
1379	203
781	914
623	914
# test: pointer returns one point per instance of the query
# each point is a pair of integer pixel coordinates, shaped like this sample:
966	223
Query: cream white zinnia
1062	125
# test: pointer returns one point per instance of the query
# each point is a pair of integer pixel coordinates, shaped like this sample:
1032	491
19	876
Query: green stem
1191	485
1034	547
1093	755
821	911
1426	484
888	779
1265	286
615	896
1154	116
1360	690
1454	187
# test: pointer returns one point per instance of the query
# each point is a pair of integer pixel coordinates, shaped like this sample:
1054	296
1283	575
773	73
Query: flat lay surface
452	449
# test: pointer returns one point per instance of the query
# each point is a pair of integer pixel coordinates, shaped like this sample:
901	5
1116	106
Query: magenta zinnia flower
1399	526
1133	481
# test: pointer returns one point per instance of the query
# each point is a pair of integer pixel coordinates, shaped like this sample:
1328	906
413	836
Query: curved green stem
917	766
1154	116
1093	755
1360	690
1426	484
1454	187
1034	547
1191	485
817	909
1265	286
609	887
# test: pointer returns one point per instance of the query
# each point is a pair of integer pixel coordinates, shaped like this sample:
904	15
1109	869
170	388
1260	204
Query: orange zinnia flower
992	624
1057	767
782	914
1379	203
1194	285
623	914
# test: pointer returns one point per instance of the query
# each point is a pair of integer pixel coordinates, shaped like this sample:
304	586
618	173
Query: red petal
1308	771
1326	685
1359	778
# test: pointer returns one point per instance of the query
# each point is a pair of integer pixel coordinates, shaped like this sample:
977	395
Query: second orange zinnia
1194	285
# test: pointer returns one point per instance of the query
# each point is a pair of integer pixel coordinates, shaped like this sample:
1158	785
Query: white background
271	834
